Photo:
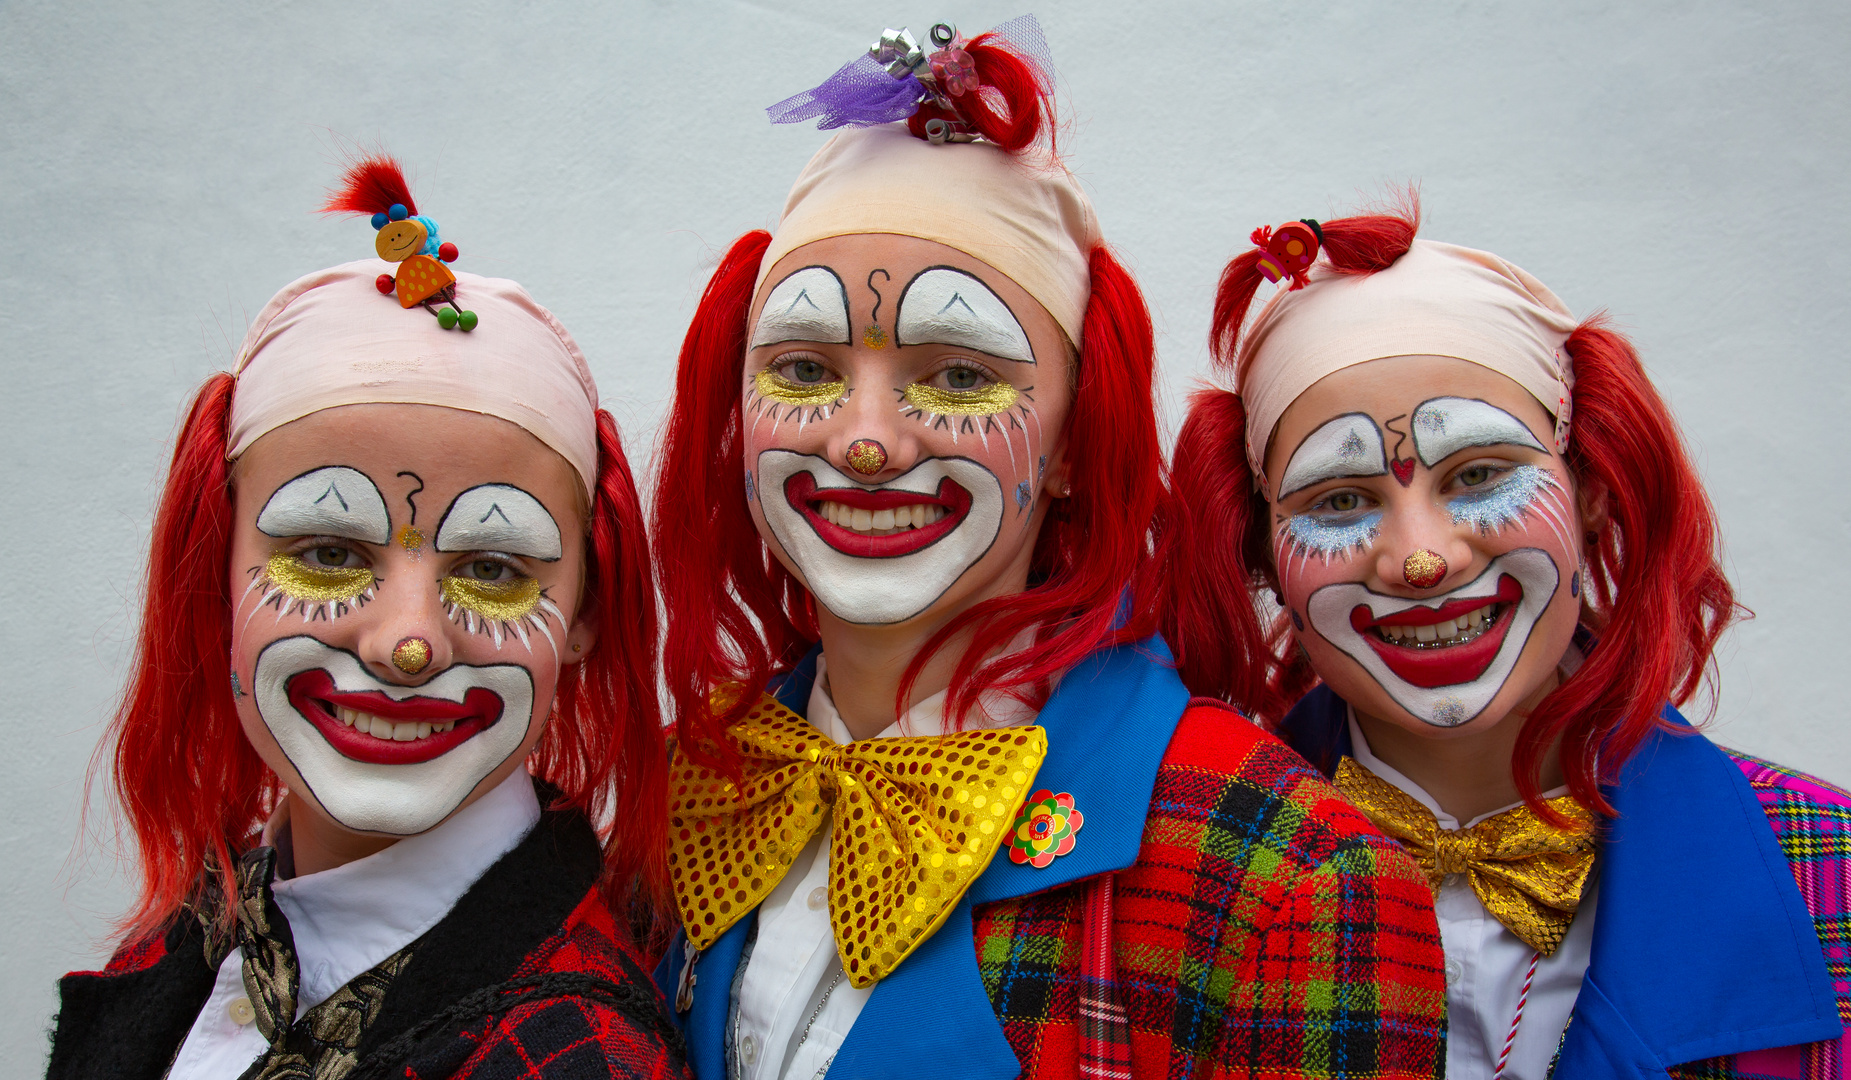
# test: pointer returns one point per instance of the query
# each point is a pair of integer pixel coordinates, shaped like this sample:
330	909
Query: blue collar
1109	724
1703	945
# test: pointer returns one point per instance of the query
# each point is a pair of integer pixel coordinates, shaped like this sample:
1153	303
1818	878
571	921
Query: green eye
1475	475
960	378
329	556
1345	501
486	570
808	371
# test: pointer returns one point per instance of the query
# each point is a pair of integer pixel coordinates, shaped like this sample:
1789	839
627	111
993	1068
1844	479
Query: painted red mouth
1429	665
804	496
314	696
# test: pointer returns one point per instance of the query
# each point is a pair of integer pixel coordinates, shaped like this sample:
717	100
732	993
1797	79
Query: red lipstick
314	696
804	496
1446	665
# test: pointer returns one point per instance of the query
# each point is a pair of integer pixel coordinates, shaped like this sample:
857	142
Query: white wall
1680	164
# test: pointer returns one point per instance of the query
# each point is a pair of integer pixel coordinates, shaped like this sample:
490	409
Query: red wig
195	794
1654	589
1010	106
735	615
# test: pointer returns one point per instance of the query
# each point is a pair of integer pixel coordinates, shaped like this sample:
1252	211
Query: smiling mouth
369	726
1453	643
878	523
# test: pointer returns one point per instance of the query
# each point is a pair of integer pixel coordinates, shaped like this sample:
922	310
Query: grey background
1680	164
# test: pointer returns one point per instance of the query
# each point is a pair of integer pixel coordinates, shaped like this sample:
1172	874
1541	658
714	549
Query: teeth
880	522
1448	632
381	728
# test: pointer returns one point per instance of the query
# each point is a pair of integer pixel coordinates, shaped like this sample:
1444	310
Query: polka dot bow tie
1527	872
914	821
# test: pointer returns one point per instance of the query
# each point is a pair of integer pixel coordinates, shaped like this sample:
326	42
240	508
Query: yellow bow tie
916	820
1526	872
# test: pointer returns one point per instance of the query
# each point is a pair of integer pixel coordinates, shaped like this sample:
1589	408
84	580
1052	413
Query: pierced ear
580	640
1057	475
1591	500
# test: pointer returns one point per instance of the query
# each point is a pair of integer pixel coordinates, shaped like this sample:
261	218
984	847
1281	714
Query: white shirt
347	919
794	977
1486	964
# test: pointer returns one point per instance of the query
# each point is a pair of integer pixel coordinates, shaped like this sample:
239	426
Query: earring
1066	490
1593	538
577	648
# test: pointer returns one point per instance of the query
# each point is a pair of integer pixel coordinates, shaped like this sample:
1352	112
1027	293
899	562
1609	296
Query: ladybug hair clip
1288	251
376	186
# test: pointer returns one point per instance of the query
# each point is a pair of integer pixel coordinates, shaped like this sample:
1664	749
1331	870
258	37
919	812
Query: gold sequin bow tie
1526	872
915	821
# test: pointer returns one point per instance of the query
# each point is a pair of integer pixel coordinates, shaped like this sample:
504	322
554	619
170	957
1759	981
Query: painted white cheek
395	800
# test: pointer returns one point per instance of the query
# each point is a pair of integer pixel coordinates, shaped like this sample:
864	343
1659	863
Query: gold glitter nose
1424	569
412	655
866	456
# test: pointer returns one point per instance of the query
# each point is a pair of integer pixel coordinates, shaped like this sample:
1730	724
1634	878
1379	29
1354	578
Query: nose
406	640
871	440
1421	549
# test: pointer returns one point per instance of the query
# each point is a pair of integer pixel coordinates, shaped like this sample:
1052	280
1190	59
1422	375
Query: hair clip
897	75
377	186
1288	251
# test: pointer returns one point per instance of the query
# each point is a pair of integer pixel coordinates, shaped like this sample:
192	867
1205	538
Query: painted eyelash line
291	586
500	610
1527	488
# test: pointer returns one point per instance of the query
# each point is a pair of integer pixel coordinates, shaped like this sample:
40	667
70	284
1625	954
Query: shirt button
819	897
748	1050
240	1011
1454	970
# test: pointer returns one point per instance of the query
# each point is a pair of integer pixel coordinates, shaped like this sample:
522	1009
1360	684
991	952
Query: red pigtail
192	790
1095	578
1654	586
603	747
733	613
1012	105
371	186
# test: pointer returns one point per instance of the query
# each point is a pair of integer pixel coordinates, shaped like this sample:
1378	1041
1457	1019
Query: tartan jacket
1261	927
527	977
1722	927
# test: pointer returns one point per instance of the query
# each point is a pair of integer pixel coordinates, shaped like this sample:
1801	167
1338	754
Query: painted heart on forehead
1442	658
880	554
382	757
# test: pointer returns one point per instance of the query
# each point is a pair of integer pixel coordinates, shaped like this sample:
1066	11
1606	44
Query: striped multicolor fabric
1105	1029
1812	821
1266	930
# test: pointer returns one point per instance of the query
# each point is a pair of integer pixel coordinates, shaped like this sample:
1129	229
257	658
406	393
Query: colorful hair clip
1288	251
377	186
896	76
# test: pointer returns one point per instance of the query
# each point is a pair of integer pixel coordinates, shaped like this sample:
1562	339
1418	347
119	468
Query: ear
580	640
1057	480
1591	500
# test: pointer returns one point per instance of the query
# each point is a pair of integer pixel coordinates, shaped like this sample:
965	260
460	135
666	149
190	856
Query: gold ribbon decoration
915	821
1528	873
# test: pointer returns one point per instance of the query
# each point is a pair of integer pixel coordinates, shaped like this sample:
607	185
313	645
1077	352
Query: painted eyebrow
330	501
809	305
1345	446
499	517
943	305
1444	426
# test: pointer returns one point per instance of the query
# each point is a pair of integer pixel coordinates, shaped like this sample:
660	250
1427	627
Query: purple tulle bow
862	93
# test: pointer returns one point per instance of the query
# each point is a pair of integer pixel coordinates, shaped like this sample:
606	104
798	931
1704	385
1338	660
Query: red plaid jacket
528	977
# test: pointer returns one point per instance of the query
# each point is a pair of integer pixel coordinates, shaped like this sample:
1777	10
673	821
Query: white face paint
888	579
1349	445
1446	686
1445	426
380	785
499	517
942	306
332	501
809	305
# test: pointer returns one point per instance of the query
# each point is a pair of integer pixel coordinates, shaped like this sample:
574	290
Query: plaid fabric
560	1035
1812	821
1266	930
1105	1029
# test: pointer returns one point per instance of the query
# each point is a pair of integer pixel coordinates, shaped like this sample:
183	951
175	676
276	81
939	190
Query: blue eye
1503	503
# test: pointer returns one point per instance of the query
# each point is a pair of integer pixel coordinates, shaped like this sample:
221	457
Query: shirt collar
1359	749
347	919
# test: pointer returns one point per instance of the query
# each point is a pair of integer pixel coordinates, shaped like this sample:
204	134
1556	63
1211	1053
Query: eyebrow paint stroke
809	305
330	501
946	306
1444	426
1345	446
500	517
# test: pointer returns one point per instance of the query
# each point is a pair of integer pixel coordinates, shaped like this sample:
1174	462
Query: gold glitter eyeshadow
993	398
299	580
499	600
774	386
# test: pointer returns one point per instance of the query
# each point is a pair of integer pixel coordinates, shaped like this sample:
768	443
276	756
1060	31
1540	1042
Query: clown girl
1490	546
942	806
395	658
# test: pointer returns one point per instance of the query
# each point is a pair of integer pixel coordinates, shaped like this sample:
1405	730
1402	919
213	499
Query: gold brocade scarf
915	821
1528	873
